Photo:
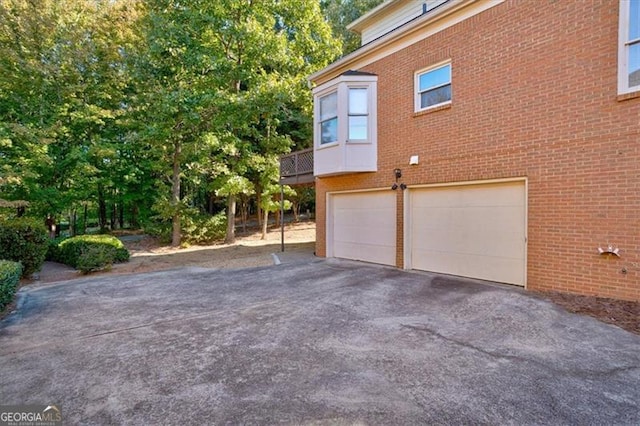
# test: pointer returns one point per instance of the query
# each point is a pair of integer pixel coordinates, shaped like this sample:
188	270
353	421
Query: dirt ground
249	250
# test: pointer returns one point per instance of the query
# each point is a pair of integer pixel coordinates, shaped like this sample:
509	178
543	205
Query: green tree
225	85
63	87
341	13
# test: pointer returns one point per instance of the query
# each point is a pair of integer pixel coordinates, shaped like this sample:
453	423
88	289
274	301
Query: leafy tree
341	13
225	86
62	91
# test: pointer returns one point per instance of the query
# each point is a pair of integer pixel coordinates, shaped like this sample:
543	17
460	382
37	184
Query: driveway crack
576	373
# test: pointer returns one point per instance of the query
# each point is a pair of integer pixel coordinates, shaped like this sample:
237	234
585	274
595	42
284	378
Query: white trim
624	45
448	15
407	213
416	86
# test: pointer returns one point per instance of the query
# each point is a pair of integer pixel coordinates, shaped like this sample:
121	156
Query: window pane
357	101
435	96
329	131
358	127
634	65
634	20
435	78
328	106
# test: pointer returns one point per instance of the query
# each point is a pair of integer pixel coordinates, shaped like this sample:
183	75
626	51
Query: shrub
53	249
203	229
196	228
24	240
95	258
106	248
10	273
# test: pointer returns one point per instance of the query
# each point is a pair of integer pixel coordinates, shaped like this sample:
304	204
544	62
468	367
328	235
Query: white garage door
364	227
473	231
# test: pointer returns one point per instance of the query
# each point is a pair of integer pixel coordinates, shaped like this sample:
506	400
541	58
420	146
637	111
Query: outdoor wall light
609	250
403	186
397	173
394	186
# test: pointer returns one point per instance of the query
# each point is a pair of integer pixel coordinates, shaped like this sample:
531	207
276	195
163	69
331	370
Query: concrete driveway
323	342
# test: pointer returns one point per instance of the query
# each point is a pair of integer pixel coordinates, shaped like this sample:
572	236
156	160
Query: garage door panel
365	235
460	240
484	195
356	217
486	267
474	231
364	226
369	253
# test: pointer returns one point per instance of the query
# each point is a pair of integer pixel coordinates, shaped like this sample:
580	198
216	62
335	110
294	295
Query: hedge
10	273
91	252
24	240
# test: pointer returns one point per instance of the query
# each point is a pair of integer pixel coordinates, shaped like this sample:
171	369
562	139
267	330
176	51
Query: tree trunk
176	235
51	226
102	209
258	204
73	223
265	221
121	214
112	217
134	216
244	213
84	219
230	238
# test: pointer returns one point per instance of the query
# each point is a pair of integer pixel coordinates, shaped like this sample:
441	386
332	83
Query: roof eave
343	64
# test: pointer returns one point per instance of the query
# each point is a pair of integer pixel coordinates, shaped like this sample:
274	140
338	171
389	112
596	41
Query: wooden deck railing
297	167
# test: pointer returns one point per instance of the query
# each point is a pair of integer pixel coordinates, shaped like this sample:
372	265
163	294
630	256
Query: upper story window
345	110
629	47
329	118
433	87
358	113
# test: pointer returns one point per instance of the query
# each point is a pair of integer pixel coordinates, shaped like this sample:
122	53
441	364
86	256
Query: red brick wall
534	95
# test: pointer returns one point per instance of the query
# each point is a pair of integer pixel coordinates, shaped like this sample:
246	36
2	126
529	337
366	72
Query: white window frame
336	117
623	50
341	85
418	93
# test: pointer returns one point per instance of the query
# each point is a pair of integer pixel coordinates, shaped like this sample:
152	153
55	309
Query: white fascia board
345	79
448	15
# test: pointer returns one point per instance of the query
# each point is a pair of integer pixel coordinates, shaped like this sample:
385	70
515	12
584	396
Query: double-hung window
433	87
629	47
358	113
329	118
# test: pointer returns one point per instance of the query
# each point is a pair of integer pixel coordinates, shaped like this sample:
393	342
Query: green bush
24	240
10	273
196	228
204	229
158	229
53	249
92	248
95	258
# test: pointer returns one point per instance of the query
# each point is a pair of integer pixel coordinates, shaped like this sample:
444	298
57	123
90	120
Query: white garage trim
362	227
515	273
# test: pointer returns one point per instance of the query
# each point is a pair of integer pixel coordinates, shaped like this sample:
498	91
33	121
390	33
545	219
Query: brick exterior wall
534	95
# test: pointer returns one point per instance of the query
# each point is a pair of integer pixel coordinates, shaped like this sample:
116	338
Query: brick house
493	139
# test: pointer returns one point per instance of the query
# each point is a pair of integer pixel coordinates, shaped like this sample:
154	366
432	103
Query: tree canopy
144	111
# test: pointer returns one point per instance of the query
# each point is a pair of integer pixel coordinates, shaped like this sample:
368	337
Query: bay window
345	134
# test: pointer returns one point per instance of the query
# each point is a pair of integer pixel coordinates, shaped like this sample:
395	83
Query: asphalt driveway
322	342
